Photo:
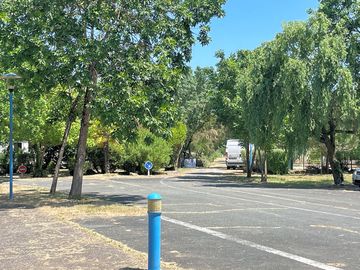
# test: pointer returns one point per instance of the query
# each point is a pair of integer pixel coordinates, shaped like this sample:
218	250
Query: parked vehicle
233	156
356	177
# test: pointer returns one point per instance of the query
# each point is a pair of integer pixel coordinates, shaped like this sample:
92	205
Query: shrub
50	169
87	169
147	146
277	162
96	157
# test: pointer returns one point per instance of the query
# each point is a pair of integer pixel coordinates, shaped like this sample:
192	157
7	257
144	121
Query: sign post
148	165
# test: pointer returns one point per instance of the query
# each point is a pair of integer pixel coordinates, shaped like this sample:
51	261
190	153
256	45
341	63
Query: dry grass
92	210
296	180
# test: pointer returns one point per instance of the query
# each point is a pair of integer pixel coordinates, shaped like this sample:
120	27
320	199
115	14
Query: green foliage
230	99
277	161
50	169
71	165
208	142
147	146
193	98
177	140
4	163
95	155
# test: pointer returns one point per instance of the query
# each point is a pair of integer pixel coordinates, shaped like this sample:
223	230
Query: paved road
210	222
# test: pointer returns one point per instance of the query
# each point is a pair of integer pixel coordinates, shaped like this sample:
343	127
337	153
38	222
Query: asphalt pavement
211	222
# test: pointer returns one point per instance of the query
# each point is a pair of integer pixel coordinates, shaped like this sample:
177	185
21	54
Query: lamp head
9	78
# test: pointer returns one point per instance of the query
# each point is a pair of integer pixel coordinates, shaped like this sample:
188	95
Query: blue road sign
148	165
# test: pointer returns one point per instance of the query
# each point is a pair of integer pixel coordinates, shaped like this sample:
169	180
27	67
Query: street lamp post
9	78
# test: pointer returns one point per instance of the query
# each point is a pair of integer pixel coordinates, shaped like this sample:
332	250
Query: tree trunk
321	164
187	145
76	185
106	155
178	155
263	166
329	140
70	120
303	162
327	163
39	160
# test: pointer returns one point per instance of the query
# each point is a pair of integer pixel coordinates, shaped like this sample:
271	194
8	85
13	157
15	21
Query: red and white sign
22	169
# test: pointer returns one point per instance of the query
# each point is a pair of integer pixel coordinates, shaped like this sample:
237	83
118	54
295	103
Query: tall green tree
231	99
320	83
193	98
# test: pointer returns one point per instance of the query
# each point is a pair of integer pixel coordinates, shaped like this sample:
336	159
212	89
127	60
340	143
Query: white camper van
233	156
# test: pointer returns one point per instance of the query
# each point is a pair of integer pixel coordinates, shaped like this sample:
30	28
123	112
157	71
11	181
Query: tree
193	99
319	83
177	140
96	45
231	98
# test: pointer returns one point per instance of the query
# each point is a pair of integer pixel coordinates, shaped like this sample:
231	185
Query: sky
247	24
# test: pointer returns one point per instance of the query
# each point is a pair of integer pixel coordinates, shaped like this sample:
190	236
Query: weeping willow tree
318	85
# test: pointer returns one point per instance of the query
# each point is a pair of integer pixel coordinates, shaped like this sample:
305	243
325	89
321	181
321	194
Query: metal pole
11	145
9	77
250	155
154	240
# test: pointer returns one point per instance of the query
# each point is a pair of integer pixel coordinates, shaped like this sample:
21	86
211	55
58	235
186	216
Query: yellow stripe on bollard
154	206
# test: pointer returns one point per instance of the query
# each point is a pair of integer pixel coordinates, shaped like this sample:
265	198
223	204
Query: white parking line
281	197
260	202
224	210
252	244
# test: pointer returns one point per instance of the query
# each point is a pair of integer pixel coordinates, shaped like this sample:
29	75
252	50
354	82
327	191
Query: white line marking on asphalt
266	203
335	228
223	210
252	244
248	200
243	227
177	204
292	200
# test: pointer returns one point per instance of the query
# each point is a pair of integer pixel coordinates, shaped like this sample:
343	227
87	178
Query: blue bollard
154	240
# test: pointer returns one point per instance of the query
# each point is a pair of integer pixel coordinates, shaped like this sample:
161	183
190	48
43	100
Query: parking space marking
252	244
292	200
260	202
243	227
224	210
335	228
179	204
